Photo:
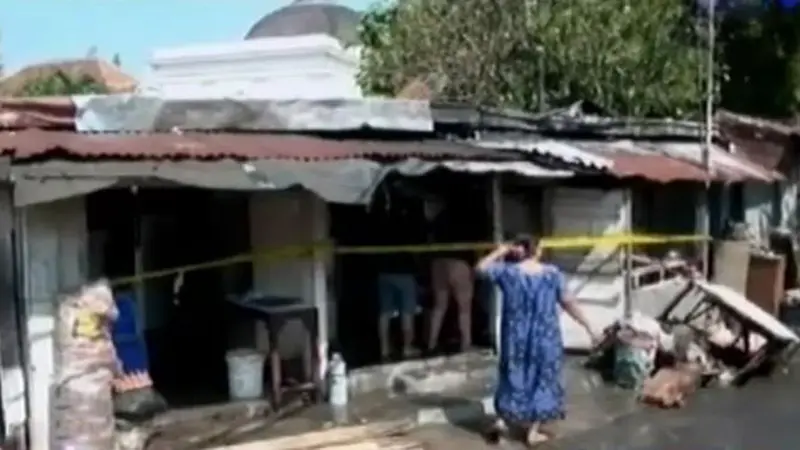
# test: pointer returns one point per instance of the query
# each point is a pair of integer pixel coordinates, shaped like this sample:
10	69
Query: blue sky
36	30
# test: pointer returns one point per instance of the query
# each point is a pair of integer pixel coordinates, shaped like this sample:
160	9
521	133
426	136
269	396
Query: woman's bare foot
535	437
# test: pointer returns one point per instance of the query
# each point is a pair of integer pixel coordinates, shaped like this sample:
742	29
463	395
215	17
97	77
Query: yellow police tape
309	250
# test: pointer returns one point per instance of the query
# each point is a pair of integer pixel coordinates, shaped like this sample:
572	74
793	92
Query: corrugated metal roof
199	146
656	161
765	142
52	113
557	149
686	159
154	113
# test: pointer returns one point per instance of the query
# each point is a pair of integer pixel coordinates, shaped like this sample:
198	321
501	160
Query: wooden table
275	313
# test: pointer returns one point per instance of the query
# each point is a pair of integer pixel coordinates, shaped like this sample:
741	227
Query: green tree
116	60
643	58
62	84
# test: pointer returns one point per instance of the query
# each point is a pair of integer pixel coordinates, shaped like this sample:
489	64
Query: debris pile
708	334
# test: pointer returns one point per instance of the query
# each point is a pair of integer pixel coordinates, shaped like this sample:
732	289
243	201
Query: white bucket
245	374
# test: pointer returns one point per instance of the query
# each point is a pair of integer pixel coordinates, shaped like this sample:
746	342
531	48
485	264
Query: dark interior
396	217
185	333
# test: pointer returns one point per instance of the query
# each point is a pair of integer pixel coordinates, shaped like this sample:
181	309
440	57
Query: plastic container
245	374
337	379
338	389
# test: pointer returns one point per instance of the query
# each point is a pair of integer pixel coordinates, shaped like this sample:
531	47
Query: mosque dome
303	17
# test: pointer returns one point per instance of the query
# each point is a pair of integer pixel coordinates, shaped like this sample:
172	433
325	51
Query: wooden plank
378	444
326	438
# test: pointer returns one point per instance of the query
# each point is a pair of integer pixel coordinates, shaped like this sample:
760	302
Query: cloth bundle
670	387
87	365
135	397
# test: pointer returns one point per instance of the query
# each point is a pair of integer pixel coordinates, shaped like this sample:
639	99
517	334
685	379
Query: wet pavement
763	414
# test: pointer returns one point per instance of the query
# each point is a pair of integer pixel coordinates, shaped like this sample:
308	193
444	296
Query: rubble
709	334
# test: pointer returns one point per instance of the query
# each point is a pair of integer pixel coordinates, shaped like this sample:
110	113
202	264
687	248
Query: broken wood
340	438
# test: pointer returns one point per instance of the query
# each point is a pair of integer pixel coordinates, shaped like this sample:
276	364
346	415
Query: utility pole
709	115
709	133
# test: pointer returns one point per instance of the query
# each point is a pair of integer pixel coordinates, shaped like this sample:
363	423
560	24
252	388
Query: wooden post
496	208
627	254
138	263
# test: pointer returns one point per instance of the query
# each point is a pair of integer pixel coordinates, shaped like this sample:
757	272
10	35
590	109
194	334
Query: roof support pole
704	220
495	199
139	288
703	227
627	254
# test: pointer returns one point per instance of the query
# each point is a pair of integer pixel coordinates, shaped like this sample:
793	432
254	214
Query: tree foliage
642	58
61	83
637	58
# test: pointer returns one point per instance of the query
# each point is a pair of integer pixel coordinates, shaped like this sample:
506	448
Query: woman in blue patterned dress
529	390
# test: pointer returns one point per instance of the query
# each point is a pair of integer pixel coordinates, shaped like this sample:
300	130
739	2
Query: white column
320	233
703	227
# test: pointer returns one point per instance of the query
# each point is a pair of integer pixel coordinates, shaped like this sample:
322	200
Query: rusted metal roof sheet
561	150
29	144
765	142
655	161
656	168
674	161
52	113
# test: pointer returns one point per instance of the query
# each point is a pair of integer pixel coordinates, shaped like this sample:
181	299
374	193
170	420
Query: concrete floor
761	415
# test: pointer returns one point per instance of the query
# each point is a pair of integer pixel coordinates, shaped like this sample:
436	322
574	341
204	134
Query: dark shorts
397	293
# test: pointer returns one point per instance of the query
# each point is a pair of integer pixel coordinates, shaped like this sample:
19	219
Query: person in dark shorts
397	285
398	295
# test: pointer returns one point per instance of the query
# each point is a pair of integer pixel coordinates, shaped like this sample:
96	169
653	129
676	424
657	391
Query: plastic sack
86	367
139	405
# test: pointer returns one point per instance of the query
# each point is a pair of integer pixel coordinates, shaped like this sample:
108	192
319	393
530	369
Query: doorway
397	216
157	229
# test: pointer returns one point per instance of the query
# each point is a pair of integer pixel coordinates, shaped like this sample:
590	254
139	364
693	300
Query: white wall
285	218
760	208
54	255
592	274
295	67
788	199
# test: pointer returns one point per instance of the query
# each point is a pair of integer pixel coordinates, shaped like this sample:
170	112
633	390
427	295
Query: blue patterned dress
531	350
